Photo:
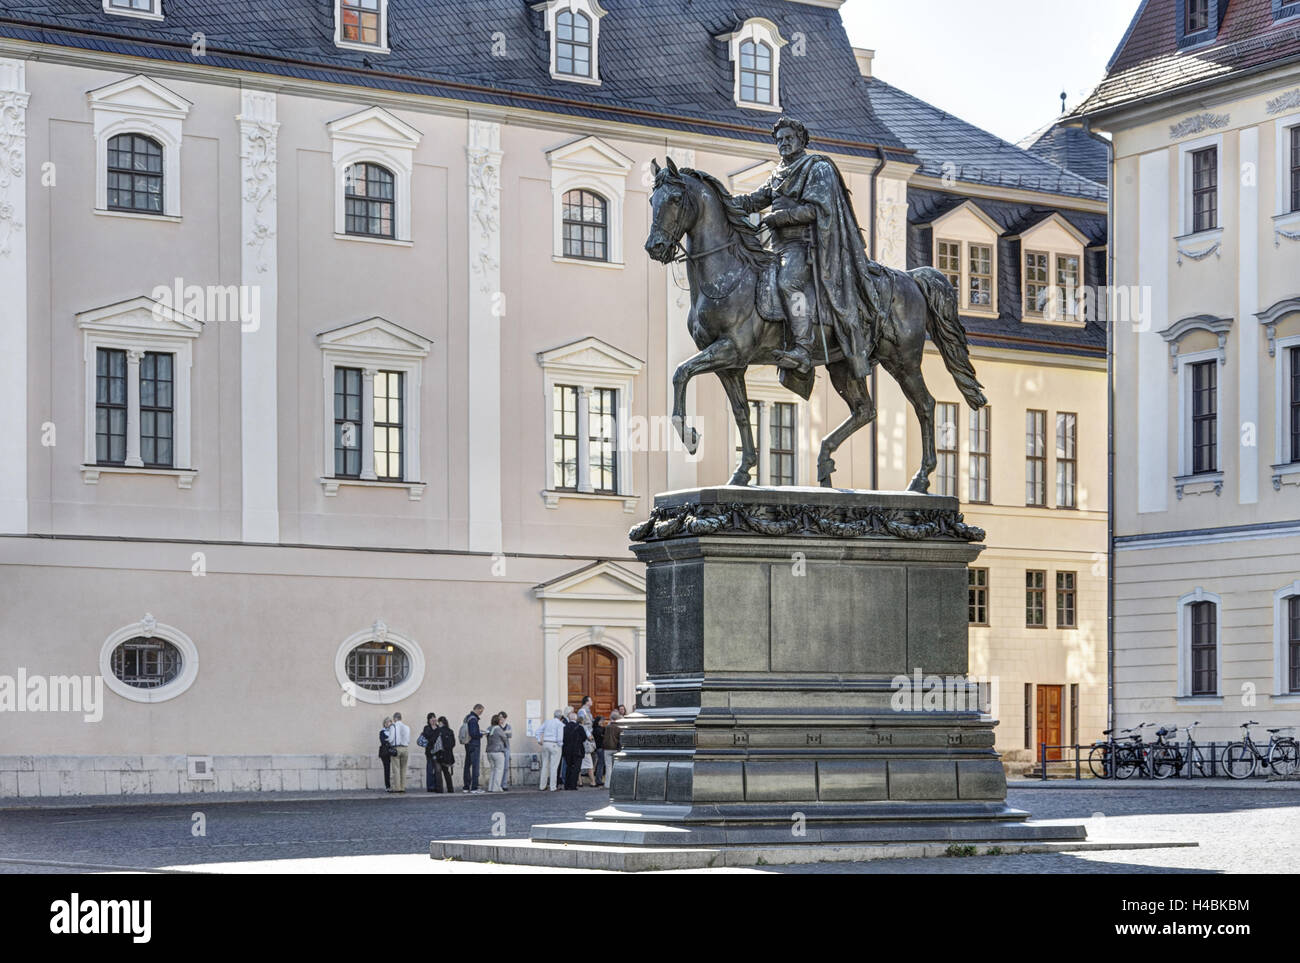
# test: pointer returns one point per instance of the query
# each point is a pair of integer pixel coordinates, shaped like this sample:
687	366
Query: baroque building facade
336	374
1202	100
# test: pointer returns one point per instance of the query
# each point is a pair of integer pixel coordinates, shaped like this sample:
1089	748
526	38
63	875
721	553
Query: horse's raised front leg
720	354
733	382
862	411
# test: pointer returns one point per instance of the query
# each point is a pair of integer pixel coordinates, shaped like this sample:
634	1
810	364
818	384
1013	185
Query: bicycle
1170	758
1243	759
1125	758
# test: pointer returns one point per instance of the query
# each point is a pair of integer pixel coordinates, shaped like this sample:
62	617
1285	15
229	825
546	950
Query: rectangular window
1036	283
1036	458
1205	417
1293	642
980	450
946	447
1204	641
1066	610
1198	16
1295	405
977	580
1029	715
1036	600
948	255
781	446
157	412
565	440
603	439
1067	287
347	422
360	21
1205	189
1074	713
1295	168
388	425
981	276
110	406
1067	463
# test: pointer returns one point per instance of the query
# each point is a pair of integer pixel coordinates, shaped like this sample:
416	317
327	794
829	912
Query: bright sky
999	64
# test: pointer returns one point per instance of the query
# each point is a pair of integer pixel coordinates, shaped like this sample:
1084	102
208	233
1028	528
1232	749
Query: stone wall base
58	776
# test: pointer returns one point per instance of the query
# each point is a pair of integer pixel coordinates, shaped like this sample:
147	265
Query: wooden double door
1049	720
593	671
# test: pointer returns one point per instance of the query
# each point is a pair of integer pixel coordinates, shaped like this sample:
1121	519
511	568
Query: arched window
146	663
377	665
586	225
755	72
573	43
368	196
135	174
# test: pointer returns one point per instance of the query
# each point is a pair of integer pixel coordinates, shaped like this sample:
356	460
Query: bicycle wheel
1239	762
1127	762
1199	766
1165	761
1099	761
1284	757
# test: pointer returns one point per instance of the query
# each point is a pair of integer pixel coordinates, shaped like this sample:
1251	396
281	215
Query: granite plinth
785	632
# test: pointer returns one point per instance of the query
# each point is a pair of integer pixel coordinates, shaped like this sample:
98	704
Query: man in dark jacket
472	750
574	738
430	736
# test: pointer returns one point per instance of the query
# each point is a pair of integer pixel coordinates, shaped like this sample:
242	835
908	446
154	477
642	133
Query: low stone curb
1173	784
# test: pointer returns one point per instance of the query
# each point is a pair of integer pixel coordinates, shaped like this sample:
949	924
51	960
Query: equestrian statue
812	298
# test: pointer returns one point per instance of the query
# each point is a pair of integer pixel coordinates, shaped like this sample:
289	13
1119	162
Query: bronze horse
724	260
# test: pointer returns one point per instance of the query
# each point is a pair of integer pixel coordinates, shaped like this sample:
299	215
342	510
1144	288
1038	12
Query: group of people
578	743
575	743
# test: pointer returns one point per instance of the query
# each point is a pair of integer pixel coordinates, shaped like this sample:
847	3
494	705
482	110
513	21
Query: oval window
378	665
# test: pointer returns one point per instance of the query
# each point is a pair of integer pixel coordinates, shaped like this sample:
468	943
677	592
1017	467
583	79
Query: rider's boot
800	356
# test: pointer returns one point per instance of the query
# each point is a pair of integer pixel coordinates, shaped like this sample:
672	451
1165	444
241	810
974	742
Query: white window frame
1281	603
136	326
374	136
759	30
373	345
586	365
1284	218
1186	182
589	164
551	9
965	225
1183	365
150	628
380	47
381	633
1054	245
1288	462
138	105
155	11
1184	660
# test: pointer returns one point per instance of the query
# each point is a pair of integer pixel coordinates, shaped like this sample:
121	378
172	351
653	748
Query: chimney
865	57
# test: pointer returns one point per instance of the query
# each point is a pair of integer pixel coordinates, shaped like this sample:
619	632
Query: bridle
681	255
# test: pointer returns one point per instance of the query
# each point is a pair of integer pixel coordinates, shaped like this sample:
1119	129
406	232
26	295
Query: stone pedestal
779	622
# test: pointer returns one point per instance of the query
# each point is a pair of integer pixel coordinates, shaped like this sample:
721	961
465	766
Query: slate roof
974	155
660	63
1148	61
1008	330
1071	147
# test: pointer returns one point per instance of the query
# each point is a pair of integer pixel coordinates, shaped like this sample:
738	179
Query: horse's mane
751	249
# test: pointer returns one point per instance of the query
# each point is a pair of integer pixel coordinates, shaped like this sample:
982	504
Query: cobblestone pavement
1239	829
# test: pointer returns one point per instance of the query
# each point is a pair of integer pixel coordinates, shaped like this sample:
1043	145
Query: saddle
766	297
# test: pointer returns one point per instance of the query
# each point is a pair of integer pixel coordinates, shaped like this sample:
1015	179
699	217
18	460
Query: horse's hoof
825	469
739	478
691	439
920	486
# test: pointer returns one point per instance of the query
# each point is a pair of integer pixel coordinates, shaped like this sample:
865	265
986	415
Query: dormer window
361	24
965	250
574	29
1052	252
145	9
755	50
1198	21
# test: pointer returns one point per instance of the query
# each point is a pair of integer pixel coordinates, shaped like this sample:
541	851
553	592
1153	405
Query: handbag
423	741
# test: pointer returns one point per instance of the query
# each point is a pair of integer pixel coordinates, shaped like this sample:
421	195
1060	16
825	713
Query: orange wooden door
1049	719
593	671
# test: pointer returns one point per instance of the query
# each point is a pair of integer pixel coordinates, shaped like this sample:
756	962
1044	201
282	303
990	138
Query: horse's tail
944	327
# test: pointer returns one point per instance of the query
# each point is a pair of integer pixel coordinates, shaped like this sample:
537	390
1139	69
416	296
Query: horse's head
672	211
